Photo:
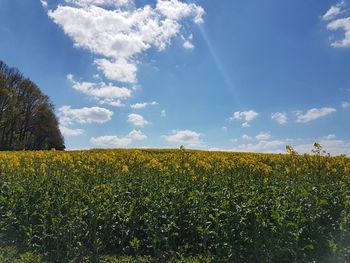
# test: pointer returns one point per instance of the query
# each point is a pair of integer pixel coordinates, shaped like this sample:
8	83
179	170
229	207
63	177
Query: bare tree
27	119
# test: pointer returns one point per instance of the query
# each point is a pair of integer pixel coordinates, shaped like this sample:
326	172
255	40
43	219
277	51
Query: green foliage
175	206
11	255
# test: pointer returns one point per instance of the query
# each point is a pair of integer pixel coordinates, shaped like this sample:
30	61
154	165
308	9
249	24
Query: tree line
27	118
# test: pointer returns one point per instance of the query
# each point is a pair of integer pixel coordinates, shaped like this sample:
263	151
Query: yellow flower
125	169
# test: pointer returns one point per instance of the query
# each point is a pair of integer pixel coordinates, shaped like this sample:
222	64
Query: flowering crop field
162	204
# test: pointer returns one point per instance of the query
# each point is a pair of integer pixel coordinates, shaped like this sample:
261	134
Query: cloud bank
118	34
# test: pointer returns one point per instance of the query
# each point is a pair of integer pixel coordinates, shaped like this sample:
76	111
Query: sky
231	75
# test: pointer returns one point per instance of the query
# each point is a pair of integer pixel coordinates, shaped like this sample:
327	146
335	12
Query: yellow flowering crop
232	207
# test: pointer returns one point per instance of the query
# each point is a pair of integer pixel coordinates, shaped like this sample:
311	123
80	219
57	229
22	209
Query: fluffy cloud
279	117
335	24
246	116
44	3
345	104
118	35
344	24
137	120
111	141
334	11
314	114
263	136
118	69
188	45
176	10
85	115
188	42
185	137
142	105
67	132
137	135
103	93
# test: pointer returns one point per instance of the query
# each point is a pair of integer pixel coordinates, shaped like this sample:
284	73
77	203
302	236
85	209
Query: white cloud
262	146
137	135
217	149
188	45
345	104
163	114
176	10
265	146
112	102
344	24
100	2
185	137
44	3
335	23
110	141
119	69
67	132
332	146
263	136
188	42
118	36
247	137
246	116
334	11
85	115
103	93
137	120
329	143
98	30
314	114
330	137
279	117
142	105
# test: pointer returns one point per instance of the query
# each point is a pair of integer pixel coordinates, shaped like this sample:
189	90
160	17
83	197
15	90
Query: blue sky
230	75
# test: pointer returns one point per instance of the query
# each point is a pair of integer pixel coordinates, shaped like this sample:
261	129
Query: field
187	206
